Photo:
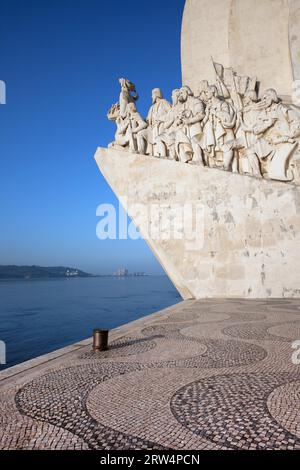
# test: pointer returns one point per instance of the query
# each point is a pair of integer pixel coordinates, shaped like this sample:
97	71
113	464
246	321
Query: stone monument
222	158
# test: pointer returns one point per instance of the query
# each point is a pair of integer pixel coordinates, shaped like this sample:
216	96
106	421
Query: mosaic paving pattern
199	375
284	404
261	331
60	399
232	410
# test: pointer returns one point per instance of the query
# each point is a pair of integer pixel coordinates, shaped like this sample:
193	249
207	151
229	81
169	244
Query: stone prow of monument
240	228
251	227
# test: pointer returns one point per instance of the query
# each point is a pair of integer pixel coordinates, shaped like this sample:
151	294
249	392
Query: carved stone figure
278	136
245	137
157	116
128	121
189	129
166	140
268	137
129	124
218	132
226	125
182	128
128	94
201	91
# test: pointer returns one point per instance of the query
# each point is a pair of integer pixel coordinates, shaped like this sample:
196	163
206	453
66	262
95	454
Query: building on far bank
122	272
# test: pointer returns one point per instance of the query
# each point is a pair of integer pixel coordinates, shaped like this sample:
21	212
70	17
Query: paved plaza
212	374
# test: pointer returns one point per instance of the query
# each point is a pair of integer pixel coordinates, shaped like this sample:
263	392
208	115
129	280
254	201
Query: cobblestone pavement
213	374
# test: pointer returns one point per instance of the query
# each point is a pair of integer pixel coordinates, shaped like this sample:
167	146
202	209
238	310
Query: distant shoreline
29	273
48	278
15	272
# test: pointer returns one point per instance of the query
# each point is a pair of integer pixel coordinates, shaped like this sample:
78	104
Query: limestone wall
256	37
251	227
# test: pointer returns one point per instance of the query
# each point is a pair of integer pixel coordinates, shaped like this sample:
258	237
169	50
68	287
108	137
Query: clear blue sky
61	60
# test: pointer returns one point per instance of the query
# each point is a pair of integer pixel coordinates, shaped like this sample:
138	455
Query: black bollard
100	340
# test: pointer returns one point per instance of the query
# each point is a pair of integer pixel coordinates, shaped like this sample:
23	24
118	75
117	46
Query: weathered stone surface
294	37
251	227
255	37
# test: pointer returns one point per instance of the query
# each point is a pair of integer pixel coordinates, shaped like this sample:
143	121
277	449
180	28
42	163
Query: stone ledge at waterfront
209	374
